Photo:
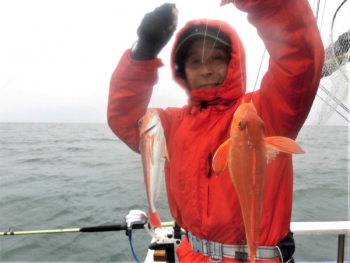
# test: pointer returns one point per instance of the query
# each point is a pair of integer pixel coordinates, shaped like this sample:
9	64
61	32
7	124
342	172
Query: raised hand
154	32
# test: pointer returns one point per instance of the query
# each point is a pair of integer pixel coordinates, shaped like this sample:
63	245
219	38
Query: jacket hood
234	86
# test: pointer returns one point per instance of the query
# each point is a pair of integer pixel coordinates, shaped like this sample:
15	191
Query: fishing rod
83	229
136	219
134	223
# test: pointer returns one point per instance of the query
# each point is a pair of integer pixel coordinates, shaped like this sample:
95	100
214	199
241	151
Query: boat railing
340	228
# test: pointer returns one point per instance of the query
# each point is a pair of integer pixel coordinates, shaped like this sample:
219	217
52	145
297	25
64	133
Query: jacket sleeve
129	94
292	39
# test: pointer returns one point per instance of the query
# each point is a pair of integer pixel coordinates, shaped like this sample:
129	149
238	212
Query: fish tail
154	219
252	257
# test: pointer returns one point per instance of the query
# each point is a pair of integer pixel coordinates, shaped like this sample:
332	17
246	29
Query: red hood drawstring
203	104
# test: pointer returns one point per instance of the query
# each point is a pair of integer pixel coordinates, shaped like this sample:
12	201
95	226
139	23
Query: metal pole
341	245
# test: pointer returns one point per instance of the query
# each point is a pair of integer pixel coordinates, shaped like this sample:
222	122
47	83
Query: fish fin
276	144
221	156
165	151
283	144
154	219
270	154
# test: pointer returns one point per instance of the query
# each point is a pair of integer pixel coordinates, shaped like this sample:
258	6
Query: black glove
154	32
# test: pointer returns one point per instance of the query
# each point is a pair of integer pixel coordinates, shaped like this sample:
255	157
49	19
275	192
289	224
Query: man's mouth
209	86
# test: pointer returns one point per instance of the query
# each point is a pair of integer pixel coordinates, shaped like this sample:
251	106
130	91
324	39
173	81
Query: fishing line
216	38
239	50
240	61
205	36
240	65
262	59
7	83
333	108
131	246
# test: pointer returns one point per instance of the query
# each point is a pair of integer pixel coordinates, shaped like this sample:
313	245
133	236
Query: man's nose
206	68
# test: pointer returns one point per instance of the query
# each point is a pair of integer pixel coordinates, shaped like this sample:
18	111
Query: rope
324	7
334	109
334	98
317	9
332	46
280	253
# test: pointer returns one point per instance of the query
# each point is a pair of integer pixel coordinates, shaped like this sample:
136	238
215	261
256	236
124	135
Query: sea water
56	176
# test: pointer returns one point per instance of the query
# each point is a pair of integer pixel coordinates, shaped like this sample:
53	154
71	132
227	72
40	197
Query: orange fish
153	149
247	153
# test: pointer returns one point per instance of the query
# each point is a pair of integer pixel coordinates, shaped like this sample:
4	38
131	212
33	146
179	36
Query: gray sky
57	56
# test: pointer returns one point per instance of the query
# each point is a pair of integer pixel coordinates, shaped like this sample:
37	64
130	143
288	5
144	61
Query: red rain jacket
199	201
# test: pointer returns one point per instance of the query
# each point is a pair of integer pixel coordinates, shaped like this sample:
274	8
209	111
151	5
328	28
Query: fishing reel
164	241
164	248
135	217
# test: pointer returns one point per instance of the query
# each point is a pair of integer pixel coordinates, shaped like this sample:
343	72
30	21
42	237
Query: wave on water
77	175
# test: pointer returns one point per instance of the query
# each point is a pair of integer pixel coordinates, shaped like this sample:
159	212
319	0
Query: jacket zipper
208	176
209	160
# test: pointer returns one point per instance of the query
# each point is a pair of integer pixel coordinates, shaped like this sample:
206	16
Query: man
208	61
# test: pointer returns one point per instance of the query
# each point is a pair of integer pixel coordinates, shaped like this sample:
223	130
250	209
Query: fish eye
240	124
140	122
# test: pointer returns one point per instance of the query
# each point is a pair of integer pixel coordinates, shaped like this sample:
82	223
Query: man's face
205	66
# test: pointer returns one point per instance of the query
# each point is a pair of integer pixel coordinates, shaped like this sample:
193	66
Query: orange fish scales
153	149
246	153
247	167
